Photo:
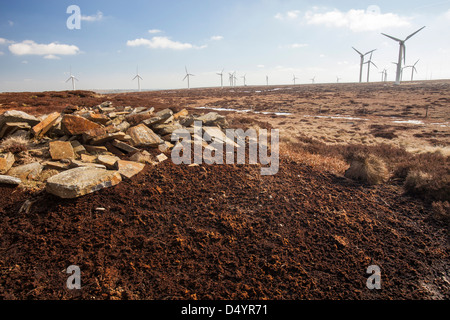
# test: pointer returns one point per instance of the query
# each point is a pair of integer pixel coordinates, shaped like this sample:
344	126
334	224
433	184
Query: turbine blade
358	52
370	53
413	33
393	38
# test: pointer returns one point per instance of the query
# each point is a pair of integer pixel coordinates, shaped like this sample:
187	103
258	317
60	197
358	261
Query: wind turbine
294	78
234	78
138	77
383	75
401	53
72	78
337	79
230	78
368	65
221	78
362	61
267	80
244	79
313	79
413	69
187	76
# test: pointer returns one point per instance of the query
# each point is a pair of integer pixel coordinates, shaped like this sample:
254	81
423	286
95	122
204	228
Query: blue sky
278	38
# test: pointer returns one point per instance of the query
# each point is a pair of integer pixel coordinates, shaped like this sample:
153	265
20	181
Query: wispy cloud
5	41
356	20
293	14
162	43
49	51
97	17
294	45
216	38
1	53
153	31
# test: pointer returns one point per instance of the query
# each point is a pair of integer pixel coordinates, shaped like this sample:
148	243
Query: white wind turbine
401	53
413	69
313	79
187	76
267	80
337	79
243	77
362	61
294	78
139	78
72	78
369	62
221	77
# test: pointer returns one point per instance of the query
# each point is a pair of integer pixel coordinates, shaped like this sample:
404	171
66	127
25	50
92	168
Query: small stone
96	149
142	136
81	181
107	137
78	148
98	118
124	146
108	161
9	180
181	114
6	162
142	157
80	164
56	165
41	128
61	150
162	157
129	168
88	158
76	125
27	171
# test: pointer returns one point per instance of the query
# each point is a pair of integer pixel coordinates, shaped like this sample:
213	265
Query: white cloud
295	45
25	62
49	51
162	43
97	17
356	20
51	57
1	53
5	41
216	38
293	14
153	31
11	23
260	66
447	15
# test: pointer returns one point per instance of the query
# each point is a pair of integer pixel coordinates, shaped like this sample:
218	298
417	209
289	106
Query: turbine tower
337	79
221	78
313	79
72	78
368	65
230	78
401	53
294	78
362	61
187	76
234	78
267	80
138	77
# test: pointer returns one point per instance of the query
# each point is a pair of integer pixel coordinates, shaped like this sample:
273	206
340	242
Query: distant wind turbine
294	78
369	62
244	78
267	80
234	78
313	79
413	69
72	78
383	75
230	78
221	78
187	76
401	53
337	79
138	77
362	61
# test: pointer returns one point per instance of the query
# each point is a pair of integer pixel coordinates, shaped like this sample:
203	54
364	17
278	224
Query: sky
42	43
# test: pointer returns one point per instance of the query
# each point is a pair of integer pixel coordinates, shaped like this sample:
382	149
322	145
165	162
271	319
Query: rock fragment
77	182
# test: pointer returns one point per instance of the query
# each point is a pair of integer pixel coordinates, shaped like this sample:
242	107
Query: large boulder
143	136
76	125
81	181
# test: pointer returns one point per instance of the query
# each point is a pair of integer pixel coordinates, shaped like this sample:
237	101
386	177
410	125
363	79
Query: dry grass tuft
15	144
367	168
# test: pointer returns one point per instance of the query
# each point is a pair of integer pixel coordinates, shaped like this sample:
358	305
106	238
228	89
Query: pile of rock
89	149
